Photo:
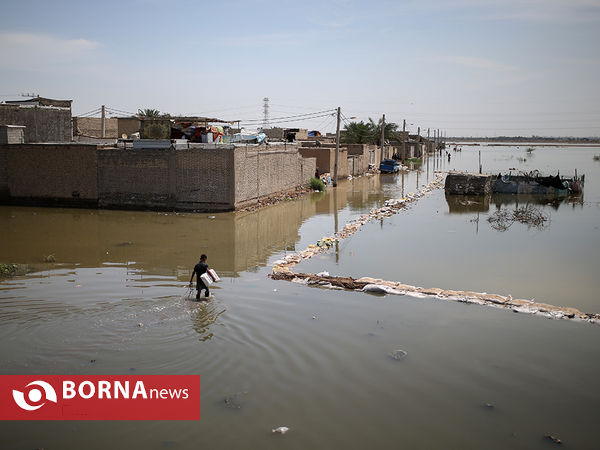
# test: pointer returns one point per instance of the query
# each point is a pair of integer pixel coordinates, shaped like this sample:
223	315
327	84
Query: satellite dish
124	136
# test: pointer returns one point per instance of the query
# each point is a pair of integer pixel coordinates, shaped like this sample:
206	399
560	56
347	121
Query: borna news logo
35	396
98	397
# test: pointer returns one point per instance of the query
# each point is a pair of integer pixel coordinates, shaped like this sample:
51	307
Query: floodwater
314	360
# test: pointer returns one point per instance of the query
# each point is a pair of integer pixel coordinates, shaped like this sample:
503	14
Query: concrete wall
54	174
43	124
274	133
92	126
12	134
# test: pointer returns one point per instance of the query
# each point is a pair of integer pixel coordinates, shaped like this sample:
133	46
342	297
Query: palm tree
390	129
367	133
148	113
357	133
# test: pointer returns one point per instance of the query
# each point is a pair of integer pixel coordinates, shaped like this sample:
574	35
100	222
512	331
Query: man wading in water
200	269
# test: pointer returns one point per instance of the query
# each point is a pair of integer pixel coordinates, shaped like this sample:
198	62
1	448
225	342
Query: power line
120	111
271	122
90	113
291	117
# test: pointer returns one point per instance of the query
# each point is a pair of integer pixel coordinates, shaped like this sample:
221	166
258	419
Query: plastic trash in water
280	430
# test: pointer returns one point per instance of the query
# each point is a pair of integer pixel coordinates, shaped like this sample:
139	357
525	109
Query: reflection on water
203	315
170	243
462	204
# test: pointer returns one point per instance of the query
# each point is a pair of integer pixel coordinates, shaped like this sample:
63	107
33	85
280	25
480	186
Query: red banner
99	397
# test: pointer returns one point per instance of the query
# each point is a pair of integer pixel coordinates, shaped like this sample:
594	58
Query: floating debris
235	400
280	430
49	259
529	215
489	405
398	355
553	439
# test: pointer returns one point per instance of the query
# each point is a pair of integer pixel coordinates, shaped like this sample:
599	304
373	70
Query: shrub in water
316	184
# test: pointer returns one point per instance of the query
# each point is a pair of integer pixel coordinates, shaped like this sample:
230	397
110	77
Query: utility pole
403	140
428	141
337	147
383	137
265	113
103	121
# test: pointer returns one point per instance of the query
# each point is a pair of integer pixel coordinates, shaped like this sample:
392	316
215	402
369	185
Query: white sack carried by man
210	277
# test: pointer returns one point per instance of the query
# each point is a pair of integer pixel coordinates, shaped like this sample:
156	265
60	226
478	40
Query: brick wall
356	149
262	171
200	178
458	183
205	177
62	174
134	178
43	124
4	191
128	126
92	126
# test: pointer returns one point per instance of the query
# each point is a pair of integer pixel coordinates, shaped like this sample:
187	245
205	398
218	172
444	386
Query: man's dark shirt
200	269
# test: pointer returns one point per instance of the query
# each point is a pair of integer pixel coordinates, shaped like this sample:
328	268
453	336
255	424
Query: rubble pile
278	197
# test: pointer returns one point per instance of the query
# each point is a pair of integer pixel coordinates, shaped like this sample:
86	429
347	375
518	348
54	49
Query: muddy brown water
314	360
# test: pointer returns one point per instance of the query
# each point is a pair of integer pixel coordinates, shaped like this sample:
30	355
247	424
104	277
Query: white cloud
38	51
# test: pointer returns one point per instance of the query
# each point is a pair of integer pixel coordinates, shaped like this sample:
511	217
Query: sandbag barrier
378	286
282	271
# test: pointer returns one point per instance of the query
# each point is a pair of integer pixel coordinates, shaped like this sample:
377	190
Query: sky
466	67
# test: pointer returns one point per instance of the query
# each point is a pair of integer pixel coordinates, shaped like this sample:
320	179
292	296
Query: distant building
44	119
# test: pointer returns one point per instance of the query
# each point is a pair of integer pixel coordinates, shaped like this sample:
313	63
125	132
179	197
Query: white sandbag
381	289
